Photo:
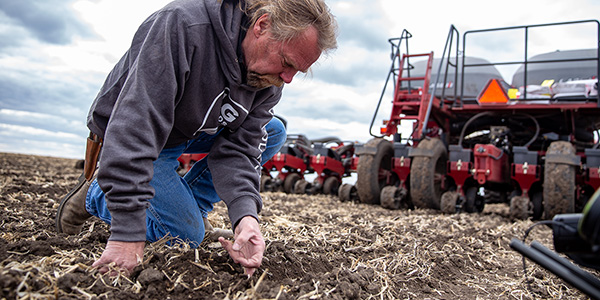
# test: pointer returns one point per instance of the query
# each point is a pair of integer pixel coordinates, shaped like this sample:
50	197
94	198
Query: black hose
485	113
537	130
477	116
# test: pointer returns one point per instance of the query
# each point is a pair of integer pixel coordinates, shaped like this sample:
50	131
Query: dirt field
317	248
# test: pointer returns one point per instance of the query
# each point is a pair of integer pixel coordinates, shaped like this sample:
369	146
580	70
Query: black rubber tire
266	184
519	208
301	187
289	182
559	182
538	206
390	197
471	200
344	192
448	202
331	186
426	174
347	192
369	182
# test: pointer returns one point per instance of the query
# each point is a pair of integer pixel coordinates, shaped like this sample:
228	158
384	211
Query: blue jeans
180	203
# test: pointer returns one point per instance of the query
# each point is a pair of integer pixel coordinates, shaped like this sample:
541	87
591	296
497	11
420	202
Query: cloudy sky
54	55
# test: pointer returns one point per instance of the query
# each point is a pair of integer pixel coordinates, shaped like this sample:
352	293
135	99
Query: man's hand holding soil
248	246
125	255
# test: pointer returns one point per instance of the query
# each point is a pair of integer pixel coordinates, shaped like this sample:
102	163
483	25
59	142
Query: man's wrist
240	208
128	226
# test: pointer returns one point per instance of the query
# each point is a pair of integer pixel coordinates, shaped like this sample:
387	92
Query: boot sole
64	200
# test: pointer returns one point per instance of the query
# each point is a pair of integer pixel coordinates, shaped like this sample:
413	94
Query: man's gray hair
289	18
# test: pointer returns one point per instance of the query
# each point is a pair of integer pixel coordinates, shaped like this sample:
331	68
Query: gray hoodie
180	77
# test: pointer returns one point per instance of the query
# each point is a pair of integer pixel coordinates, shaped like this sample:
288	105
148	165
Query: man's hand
249	245
124	255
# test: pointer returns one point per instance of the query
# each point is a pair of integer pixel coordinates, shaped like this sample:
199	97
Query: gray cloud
294	104
361	22
362	33
58	94
356	74
362	44
50	21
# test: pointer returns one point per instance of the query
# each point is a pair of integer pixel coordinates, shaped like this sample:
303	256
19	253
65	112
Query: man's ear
262	25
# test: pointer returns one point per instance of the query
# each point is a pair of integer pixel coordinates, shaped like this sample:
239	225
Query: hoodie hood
226	17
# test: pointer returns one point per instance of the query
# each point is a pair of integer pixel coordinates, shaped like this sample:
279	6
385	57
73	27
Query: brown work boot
213	234
71	213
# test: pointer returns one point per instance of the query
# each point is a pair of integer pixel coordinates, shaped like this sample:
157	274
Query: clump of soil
317	248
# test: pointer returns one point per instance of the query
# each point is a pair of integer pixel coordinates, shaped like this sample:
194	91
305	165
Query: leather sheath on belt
92	150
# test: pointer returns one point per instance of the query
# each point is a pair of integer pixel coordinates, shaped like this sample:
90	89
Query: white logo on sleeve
228	114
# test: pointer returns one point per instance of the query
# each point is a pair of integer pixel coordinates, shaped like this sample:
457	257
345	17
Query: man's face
272	62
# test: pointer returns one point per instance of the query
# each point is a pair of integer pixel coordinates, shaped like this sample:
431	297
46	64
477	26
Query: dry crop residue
317	248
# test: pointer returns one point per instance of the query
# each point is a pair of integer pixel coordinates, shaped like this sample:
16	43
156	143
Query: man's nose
288	74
